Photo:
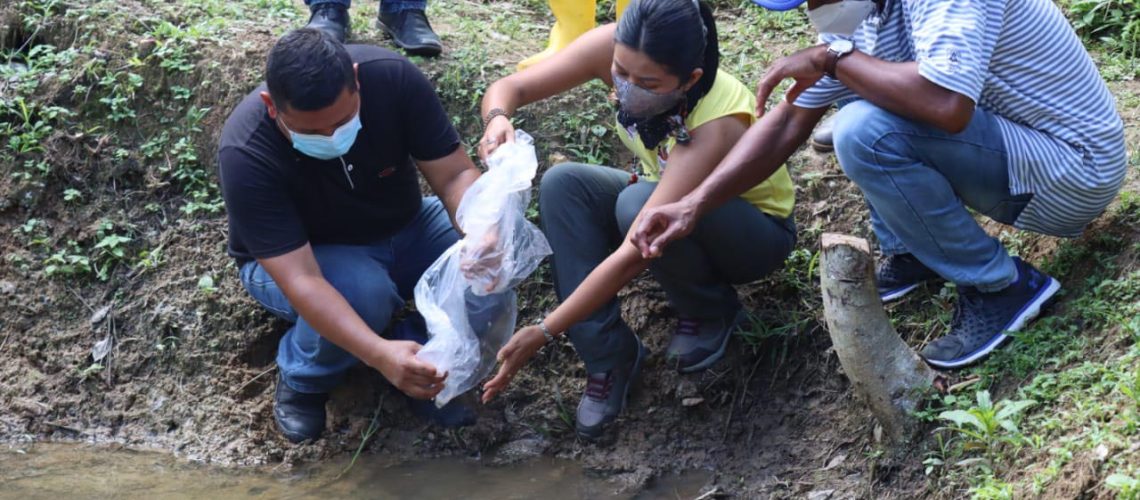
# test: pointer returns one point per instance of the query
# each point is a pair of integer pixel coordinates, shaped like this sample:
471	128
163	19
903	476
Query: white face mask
840	18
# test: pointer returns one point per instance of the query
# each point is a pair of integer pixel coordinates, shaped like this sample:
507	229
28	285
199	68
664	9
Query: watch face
841	46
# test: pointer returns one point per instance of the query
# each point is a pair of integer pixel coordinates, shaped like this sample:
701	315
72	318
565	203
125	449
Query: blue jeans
386	6
919	180
375	279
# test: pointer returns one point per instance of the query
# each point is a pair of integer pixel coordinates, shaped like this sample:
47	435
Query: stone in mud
521	449
631	482
687	402
686	389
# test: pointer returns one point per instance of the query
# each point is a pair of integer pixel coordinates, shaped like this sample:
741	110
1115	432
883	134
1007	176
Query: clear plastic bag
467	296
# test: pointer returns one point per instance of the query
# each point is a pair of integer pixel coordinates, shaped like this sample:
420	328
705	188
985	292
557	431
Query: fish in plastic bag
467	296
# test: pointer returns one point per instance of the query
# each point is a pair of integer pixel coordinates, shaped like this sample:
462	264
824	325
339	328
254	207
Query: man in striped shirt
947	105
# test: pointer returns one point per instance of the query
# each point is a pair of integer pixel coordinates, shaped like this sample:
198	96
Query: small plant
67	261
110	250
150	259
1131	387
987	426
206	284
365	436
1113	22
90	371
72	194
166	344
1128	486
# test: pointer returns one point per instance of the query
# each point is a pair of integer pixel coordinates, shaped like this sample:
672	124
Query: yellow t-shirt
727	97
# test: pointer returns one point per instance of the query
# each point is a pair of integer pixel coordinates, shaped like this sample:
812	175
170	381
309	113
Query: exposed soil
192	371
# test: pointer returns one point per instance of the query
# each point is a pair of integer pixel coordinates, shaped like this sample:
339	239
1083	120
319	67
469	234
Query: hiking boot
981	319
697	344
411	31
300	416
606	395
453	415
331	18
821	139
900	274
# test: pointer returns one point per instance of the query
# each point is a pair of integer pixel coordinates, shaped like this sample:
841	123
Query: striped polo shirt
1020	60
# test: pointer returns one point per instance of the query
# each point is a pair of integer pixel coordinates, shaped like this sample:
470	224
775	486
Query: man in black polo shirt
318	171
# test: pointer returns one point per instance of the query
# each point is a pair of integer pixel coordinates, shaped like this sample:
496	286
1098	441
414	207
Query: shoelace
688	326
598	385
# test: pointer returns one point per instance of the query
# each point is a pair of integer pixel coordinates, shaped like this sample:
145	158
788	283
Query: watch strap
832	61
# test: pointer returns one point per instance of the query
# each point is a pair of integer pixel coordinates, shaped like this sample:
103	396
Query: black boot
299	416
331	18
412	32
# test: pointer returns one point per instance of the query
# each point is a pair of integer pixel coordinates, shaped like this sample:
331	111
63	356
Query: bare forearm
504	95
760	152
601	286
330	314
899	88
453	193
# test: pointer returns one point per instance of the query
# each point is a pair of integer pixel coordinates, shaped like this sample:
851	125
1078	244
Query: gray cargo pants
587	211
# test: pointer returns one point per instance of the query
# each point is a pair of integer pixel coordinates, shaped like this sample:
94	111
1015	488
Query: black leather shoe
412	32
331	18
299	416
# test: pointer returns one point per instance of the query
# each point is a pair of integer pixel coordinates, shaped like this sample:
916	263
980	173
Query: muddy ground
191	368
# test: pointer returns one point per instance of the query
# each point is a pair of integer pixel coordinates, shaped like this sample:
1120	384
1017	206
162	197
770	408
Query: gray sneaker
697	344
606	395
821	138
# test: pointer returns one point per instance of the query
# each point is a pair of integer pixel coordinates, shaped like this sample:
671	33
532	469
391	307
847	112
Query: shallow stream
56	471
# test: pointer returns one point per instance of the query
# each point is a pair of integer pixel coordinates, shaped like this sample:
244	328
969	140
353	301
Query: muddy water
56	471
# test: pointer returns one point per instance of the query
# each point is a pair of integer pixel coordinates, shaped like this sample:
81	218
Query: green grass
1078	371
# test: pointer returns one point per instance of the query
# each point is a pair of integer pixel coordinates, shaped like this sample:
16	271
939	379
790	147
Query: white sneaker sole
898	294
1027	314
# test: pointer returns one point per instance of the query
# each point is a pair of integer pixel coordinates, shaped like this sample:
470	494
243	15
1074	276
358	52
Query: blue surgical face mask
327	147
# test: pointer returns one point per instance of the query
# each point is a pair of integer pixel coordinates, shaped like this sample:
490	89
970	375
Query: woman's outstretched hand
512	357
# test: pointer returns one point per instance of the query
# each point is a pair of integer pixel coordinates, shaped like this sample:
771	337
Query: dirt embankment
190	364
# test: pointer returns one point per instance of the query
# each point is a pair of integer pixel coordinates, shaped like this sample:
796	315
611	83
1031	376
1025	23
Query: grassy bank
123	320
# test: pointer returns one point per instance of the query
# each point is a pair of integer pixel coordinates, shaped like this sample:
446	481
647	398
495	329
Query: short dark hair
307	70
677	34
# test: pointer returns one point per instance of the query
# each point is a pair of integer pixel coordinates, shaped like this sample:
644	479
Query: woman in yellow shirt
680	116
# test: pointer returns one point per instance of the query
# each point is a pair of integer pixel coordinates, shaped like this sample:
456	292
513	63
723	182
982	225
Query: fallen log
886	374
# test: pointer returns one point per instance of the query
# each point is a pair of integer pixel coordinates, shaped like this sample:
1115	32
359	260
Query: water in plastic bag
467	296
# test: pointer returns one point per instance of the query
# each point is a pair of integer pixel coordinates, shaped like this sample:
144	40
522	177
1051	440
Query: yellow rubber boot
621	5
572	18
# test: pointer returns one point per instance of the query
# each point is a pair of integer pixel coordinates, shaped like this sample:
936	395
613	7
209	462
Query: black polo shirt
278	199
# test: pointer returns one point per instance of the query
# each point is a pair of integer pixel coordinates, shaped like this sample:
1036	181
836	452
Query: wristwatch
835	51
